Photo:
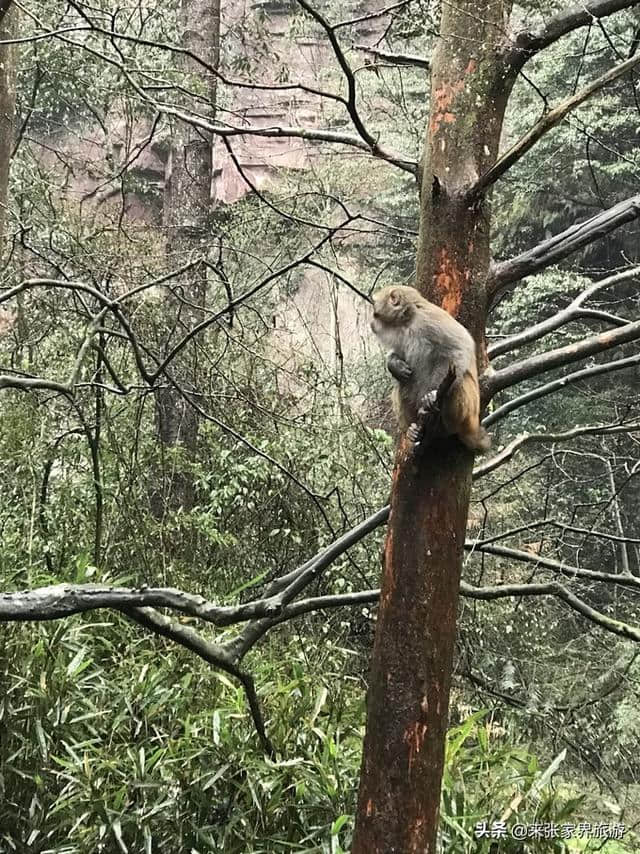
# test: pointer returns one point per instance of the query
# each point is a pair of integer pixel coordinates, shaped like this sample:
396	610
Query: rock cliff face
119	166
262	35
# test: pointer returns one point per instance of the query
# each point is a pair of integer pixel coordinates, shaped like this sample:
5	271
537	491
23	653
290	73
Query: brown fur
423	339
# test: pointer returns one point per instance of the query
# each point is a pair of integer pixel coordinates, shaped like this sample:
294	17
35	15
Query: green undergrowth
111	741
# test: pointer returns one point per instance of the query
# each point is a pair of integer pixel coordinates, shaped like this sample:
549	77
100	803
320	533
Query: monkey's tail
479	440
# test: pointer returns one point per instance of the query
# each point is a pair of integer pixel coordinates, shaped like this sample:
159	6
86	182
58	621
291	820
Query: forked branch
543	125
574	311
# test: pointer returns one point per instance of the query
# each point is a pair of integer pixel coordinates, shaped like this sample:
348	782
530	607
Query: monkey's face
391	312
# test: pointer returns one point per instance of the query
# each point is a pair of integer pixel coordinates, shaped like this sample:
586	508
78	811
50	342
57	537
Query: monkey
424	342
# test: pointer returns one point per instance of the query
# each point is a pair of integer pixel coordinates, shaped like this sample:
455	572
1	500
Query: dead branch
549	438
555	385
347	72
553	588
195	120
548	121
232	304
396	58
556	248
429	423
370	16
630	582
561	526
573	311
213	654
561	356
528	42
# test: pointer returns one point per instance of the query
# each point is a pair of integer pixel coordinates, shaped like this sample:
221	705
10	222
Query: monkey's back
435	340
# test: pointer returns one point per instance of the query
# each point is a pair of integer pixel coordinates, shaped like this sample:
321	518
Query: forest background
200	200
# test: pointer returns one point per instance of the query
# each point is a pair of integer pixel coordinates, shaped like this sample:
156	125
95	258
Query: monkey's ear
394	297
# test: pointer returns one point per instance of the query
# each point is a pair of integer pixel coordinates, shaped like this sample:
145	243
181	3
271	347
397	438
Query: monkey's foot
415	433
429	404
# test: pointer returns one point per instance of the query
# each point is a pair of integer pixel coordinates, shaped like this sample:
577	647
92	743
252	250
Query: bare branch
346	282
630	582
321	603
370	16
281	132
288	586
242	440
558	358
195	120
562	526
265	201
396	58
562	382
212	653
428	422
616	627
284	589
232	304
558	247
549	438
68	388
57	601
543	125
32	384
27	284
347	71
572	312
112	305
177	50
528	42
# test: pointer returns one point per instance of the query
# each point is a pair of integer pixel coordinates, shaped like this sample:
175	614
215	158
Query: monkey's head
393	308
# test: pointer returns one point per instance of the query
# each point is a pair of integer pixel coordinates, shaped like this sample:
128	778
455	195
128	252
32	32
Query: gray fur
423	342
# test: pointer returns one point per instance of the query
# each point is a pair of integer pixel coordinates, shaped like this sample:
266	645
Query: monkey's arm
397	367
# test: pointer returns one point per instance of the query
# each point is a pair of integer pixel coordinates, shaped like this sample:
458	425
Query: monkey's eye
376	314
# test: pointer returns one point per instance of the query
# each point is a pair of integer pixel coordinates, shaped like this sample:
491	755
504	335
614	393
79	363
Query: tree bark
5	5
7	114
408	698
187	221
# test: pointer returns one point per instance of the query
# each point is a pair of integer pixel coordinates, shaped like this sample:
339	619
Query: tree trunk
187	223
408	699
7	114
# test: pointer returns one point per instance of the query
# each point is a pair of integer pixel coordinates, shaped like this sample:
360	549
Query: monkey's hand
398	368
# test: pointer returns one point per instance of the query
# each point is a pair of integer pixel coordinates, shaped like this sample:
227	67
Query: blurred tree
190	235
